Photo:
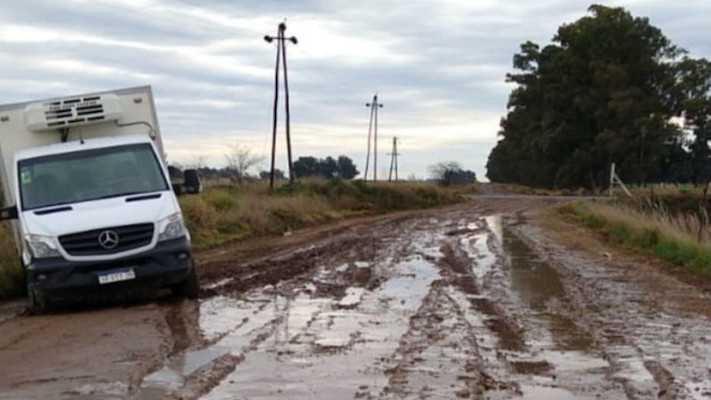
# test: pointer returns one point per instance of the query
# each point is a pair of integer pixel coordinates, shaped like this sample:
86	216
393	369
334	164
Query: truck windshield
89	175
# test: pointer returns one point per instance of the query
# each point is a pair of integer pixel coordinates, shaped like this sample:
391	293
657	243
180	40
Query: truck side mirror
8	213
193	184
177	188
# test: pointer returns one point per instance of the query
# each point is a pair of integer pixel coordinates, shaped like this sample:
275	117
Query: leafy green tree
346	168
600	93
692	101
330	168
306	166
451	173
266	175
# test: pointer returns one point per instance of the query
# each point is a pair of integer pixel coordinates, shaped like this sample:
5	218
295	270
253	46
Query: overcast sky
438	66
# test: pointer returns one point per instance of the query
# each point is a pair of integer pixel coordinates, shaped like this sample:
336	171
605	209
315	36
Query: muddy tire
38	301
189	288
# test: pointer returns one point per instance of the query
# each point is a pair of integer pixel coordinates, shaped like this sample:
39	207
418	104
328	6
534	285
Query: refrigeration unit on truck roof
72	111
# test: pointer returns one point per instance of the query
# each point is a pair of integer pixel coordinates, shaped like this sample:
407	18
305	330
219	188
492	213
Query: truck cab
95	209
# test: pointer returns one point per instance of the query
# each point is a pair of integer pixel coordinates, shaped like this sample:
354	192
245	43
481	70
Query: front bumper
166	264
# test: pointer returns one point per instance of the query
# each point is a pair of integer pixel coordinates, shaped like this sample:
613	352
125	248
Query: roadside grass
681	239
513	188
223	213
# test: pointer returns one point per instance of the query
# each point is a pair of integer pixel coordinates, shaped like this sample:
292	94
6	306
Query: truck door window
89	175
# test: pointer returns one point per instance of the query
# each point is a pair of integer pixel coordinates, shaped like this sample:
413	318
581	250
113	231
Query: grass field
223	212
680	238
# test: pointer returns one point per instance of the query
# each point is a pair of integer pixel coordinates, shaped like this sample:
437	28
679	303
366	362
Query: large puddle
559	360
405	337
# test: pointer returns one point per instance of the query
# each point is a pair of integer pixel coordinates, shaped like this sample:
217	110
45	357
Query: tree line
609	88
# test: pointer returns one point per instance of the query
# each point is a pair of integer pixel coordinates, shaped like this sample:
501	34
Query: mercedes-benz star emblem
108	239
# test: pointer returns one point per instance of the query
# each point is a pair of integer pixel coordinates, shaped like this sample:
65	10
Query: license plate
117	276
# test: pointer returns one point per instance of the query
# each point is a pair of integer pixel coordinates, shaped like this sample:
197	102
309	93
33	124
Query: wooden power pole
281	59
374	127
393	161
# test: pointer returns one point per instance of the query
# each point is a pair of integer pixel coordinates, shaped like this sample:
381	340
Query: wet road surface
469	301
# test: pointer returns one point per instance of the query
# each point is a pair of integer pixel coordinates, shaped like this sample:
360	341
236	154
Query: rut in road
409	308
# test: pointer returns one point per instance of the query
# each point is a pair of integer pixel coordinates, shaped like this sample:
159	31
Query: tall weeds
225	213
682	239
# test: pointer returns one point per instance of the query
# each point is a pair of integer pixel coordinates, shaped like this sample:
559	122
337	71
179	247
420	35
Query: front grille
87	243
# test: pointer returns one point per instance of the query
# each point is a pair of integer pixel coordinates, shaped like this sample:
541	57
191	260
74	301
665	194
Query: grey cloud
439	66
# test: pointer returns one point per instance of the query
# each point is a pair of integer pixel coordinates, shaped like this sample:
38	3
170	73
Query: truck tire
188	288
38	301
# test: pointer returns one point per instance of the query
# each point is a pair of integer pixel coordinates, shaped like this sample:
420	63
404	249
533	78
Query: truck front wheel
188	288
38	301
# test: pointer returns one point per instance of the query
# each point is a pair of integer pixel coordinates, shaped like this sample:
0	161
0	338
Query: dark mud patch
182	321
531	367
207	377
464	231
271	271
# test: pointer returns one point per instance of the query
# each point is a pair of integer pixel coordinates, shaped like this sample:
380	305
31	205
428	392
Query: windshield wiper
108	196
144	197
53	210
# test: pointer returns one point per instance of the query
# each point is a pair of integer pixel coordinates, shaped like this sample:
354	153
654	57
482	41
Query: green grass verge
652	233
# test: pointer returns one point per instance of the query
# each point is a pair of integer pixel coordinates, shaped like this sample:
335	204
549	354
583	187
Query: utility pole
281	59
374	118
370	132
393	161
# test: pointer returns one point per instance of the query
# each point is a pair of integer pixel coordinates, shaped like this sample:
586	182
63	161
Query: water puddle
338	347
553	339
538	286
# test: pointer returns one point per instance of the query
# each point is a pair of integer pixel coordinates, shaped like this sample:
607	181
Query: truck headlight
171	227
42	246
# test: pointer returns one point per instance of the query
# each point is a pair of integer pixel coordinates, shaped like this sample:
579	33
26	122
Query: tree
451	173
266	175
239	160
330	168
599	94
692	101
346	168
306	166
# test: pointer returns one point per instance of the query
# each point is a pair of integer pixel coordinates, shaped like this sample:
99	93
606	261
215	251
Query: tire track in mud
517	299
657	347
438	330
459	268
279	276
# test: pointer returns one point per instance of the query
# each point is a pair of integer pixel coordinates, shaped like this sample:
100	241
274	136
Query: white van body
91	192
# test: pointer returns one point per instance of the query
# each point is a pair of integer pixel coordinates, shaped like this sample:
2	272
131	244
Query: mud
471	301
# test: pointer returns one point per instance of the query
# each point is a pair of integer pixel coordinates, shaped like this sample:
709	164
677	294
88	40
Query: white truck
90	197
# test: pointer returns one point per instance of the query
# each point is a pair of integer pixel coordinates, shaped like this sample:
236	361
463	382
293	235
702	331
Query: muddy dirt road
473	301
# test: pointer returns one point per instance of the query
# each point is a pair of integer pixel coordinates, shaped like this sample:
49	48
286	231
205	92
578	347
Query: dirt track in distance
477	300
